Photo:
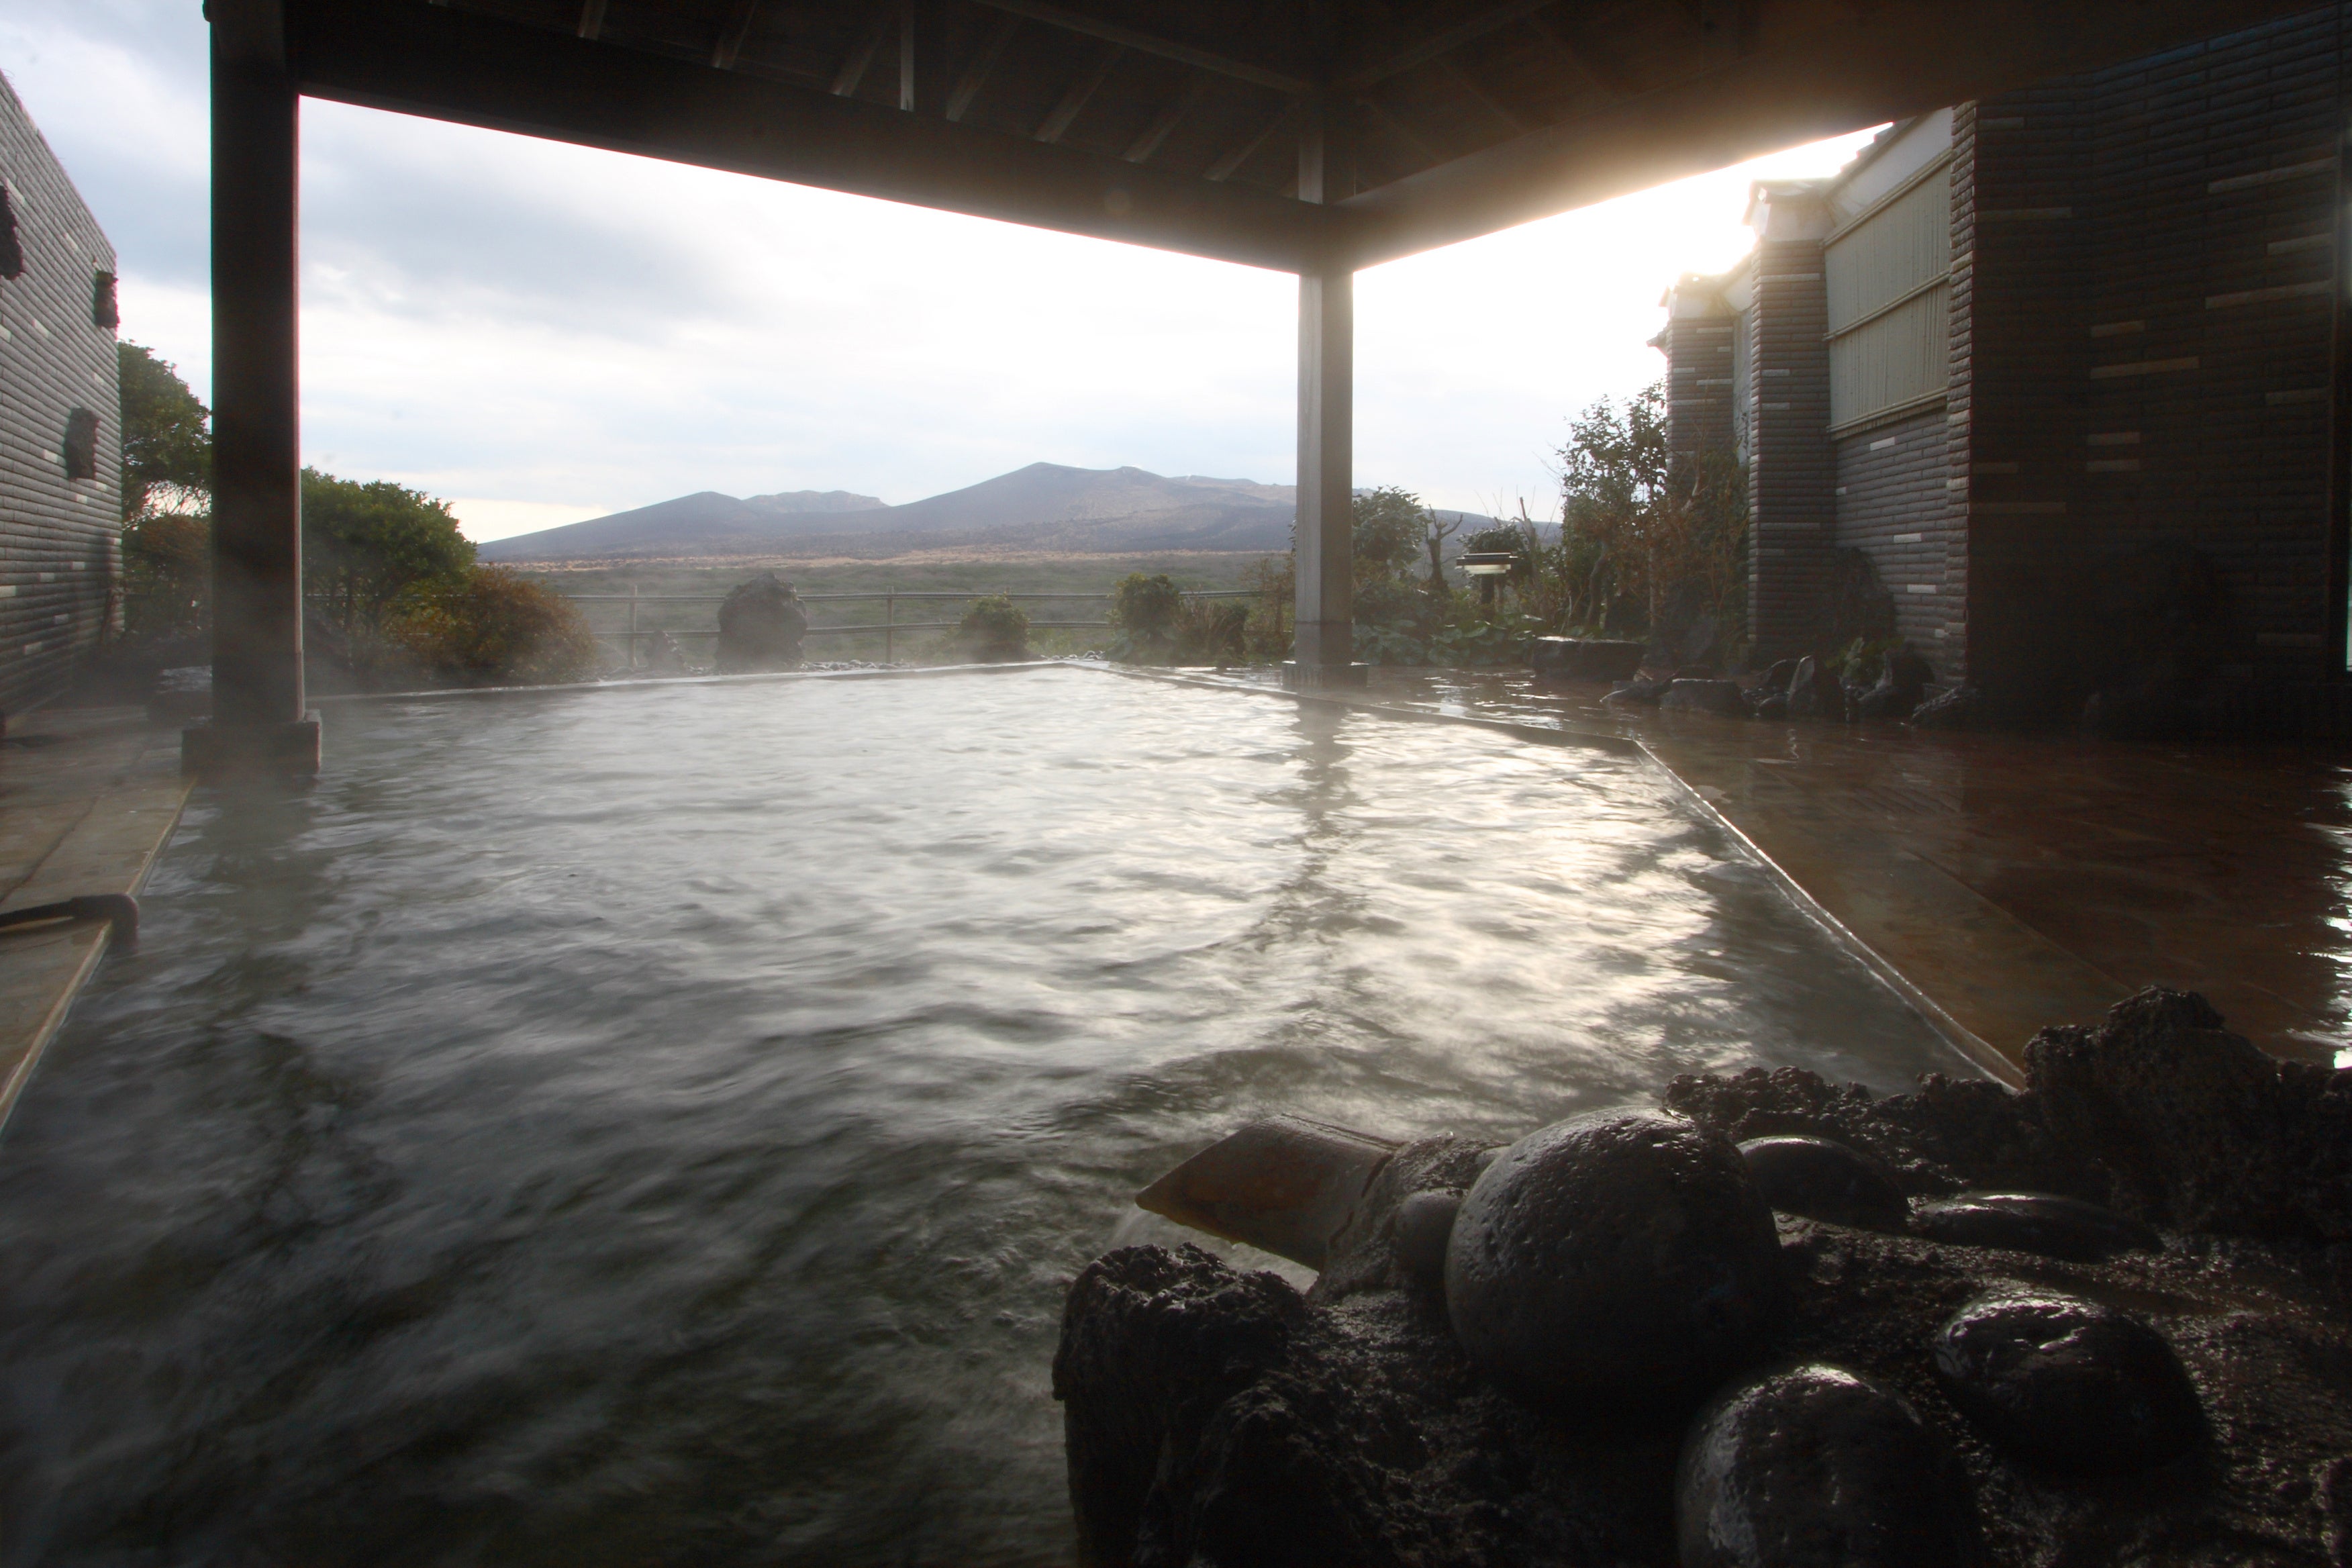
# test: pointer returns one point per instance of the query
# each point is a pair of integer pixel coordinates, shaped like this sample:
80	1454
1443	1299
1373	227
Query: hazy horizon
543	333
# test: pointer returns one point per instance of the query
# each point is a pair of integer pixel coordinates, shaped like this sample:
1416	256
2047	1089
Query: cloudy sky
543	333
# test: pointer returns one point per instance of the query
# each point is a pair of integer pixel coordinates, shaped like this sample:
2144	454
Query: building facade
60	419
2067	369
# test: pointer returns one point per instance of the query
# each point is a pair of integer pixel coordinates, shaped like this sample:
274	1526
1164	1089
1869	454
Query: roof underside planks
1177	126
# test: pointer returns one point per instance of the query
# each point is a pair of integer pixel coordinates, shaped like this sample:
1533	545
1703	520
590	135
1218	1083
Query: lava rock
1962	707
761	625
1425	1223
1902	678
1778	677
2067	1384
1613	1257
2032	1222
1814	692
1767	705
1815	1466
1584	659
1637	693
1822	1179
1692	696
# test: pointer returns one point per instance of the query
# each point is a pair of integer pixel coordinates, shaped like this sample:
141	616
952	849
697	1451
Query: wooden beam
1224	168
731	37
1090	82
1606	75
907	57
592	17
861	58
975	75
1364	73
1141	149
1151	44
477	69
1405	133
1902	58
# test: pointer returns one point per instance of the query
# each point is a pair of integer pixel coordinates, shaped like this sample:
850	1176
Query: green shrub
495	628
1386	644
1210	631
996	630
1143	615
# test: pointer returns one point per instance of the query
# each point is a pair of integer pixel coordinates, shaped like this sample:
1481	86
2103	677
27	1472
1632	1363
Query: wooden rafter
975	75
1141	149
1602	73
1402	131
731	36
1151	44
1090	82
1224	168
1363	74
852	70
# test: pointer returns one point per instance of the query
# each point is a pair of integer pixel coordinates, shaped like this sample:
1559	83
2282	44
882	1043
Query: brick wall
59	536
1791	478
1894	506
1698	382
2214	178
2143	354
2016	456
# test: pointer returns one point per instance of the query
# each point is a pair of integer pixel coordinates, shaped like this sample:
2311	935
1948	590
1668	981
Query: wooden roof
1182	125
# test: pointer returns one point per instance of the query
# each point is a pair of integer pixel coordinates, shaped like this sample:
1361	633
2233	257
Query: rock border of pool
1976	1054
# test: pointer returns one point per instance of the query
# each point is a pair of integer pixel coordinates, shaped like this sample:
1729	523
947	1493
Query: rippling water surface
657	1125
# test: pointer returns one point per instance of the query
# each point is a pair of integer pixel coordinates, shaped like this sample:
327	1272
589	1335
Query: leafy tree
495	627
1390	525
1639	526
364	546
166	436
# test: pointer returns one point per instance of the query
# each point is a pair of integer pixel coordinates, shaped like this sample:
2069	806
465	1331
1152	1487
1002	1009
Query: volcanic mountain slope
1044	506
703	523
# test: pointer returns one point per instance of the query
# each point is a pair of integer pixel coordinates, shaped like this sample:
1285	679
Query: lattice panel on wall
1889	302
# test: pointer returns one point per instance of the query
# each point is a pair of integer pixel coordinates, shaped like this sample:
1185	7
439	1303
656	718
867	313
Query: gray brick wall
1698	382
1893	505
60	537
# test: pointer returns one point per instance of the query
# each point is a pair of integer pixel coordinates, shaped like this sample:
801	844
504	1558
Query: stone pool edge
111	846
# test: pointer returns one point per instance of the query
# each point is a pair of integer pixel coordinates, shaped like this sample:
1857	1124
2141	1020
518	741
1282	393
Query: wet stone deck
2017	881
88	798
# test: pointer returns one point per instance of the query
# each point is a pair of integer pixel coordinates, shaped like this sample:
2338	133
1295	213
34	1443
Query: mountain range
1044	507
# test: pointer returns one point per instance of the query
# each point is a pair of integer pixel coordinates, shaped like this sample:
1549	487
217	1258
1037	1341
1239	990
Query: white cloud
552	332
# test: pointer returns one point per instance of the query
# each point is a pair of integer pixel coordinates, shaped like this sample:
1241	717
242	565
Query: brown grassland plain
966	572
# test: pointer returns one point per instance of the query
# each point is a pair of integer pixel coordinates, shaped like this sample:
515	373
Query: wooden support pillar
1323	651
260	722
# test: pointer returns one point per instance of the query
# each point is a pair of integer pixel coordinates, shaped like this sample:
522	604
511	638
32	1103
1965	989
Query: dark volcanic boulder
2032	1222
1152	1341
1425	1223
1814	692
1823	1179
1902	678
1637	693
1704	697
761	625
1584	659
2160	1114
1816	1467
2067	1384
1962	707
1619	1257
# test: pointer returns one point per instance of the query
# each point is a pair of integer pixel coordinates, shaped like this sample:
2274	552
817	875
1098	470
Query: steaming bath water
657	1125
